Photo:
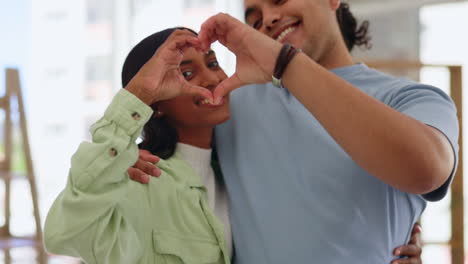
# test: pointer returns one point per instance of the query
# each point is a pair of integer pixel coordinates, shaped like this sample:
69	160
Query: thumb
226	86
190	89
200	91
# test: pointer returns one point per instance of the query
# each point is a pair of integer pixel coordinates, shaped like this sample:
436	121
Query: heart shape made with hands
161	79
255	52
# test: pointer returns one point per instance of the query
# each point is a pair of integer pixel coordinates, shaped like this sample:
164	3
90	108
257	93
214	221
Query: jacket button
113	152
136	116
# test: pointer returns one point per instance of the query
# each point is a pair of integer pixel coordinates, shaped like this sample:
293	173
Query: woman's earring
159	114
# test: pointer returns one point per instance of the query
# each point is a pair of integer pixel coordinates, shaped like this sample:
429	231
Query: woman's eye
279	1
213	64
187	74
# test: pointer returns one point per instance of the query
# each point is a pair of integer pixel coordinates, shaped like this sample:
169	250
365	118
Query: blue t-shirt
297	197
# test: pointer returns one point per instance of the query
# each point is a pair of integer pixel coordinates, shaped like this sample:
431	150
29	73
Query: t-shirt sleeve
433	107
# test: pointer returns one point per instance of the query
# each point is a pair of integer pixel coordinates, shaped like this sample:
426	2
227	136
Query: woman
101	216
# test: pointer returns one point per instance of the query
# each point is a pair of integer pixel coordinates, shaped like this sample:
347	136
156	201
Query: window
98	77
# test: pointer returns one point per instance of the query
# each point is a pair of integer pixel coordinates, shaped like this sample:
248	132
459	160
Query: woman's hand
255	52
413	250
160	78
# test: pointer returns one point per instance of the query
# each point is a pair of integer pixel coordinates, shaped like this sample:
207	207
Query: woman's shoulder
173	165
179	170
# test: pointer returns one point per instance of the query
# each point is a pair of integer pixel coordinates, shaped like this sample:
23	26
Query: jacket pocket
181	249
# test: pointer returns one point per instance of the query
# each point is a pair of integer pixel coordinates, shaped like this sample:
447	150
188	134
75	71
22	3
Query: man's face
306	24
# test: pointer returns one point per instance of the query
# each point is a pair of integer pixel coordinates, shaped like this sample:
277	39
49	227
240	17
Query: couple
335	167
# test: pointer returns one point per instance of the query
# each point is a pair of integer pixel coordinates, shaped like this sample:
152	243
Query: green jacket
103	217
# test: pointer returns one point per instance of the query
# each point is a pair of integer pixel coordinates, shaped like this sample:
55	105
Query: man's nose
271	17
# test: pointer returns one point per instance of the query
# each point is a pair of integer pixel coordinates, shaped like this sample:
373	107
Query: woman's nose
210	80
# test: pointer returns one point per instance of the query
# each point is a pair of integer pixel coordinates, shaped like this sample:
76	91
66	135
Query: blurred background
69	55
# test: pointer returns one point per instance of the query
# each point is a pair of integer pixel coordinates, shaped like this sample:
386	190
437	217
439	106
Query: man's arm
399	150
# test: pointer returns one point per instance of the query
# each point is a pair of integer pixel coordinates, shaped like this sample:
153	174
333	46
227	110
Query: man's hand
255	52
144	167
413	250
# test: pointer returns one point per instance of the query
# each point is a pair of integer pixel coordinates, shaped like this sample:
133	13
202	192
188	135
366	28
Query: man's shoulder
380	79
384	86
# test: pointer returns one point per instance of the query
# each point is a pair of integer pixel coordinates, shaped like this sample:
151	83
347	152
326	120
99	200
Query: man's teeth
284	33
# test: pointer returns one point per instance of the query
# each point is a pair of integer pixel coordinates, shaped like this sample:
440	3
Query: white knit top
200	160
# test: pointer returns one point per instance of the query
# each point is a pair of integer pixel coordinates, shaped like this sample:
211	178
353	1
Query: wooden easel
7	240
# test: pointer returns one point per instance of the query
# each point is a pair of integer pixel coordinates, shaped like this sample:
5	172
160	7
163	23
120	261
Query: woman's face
188	112
306	24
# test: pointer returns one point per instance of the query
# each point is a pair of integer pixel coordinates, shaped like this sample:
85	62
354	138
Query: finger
147	168
218	27
183	32
196	90
183	42
408	250
407	261
147	156
225	87
138	175
205	93
416	238
207	34
416	229
203	35
180	33
179	41
177	38
188	42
